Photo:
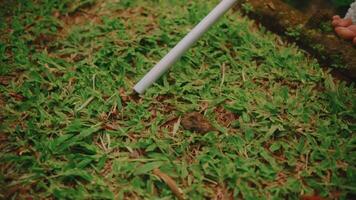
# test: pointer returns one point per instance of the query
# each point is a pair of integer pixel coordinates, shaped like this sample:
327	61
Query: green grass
69	129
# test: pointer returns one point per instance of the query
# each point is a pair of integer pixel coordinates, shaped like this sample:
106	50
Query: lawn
70	128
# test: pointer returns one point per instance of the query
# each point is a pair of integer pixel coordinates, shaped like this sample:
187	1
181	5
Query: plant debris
170	182
196	122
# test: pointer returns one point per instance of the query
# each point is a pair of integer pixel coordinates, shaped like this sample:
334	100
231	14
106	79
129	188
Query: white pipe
183	46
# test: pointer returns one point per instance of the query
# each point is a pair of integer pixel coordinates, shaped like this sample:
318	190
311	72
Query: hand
344	28
339	22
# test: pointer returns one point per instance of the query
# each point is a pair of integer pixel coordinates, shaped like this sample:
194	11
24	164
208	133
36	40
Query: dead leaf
311	197
16	96
5	80
22	150
126	97
170	182
176	126
271	5
3	137
222	193
111	126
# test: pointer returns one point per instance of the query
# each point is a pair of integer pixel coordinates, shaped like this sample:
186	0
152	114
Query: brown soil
221	193
326	47
82	15
225	117
2	105
196	122
5	80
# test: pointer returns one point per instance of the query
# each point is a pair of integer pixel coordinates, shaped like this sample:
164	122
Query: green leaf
275	147
84	134
249	134
74	173
245	117
145	168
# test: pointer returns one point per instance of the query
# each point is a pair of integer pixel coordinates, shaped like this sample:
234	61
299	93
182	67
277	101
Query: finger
352	28
336	17
345	22
336	22
345	33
